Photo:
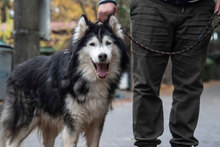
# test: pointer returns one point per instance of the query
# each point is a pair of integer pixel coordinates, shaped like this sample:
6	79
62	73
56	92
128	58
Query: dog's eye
92	44
108	43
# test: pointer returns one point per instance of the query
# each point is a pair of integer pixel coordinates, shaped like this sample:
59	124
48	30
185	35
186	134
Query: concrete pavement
118	127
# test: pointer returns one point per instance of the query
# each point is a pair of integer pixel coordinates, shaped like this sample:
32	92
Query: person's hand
217	6
105	10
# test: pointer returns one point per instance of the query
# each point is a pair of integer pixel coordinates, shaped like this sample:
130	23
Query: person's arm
217	6
106	7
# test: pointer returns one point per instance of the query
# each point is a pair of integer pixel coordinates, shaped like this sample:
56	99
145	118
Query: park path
118	127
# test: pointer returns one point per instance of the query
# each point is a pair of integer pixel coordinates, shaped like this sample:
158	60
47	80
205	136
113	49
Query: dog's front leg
93	134
70	138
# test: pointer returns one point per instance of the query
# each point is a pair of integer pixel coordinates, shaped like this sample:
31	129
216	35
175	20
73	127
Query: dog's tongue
102	70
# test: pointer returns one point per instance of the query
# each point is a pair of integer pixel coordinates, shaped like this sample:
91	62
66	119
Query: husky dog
69	92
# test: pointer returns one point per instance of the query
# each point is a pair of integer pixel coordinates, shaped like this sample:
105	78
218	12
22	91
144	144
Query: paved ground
118	127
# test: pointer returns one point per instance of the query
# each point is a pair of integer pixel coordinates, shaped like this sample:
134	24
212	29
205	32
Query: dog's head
101	49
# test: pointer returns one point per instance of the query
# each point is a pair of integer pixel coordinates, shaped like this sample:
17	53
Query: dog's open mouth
101	69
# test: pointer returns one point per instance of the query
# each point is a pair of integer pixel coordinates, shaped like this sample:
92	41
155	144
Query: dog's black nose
102	57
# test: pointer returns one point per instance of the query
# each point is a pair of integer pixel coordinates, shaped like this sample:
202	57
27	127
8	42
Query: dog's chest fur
93	108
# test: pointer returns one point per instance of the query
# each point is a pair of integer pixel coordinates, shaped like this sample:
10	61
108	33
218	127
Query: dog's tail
6	123
2	132
7	120
2	136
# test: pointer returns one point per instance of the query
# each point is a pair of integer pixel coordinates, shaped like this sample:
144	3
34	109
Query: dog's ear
82	26
112	21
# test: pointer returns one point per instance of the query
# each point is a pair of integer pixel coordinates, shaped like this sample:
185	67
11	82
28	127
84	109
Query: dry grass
165	90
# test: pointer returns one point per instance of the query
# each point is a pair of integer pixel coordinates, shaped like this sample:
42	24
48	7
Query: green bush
209	70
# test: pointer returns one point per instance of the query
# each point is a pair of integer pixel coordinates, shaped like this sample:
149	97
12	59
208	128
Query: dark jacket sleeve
105	1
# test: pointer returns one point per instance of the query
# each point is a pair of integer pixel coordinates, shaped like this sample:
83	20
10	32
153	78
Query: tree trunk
26	29
95	11
82	7
3	14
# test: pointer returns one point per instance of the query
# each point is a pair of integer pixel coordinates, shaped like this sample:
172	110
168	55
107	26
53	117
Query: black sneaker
180	145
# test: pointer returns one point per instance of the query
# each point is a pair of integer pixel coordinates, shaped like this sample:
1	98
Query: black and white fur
68	92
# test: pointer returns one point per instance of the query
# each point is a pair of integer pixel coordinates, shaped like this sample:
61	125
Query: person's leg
147	105
152	25
187	73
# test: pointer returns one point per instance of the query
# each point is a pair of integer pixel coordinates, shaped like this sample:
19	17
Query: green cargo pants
168	27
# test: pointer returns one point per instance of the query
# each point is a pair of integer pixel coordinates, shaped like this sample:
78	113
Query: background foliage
6	21
62	12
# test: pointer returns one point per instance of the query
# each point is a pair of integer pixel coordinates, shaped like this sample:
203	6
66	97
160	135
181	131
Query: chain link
209	29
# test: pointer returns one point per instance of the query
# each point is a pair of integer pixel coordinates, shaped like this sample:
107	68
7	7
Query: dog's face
100	55
100	51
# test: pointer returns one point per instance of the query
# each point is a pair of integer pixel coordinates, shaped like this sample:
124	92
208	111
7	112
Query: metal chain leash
209	29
